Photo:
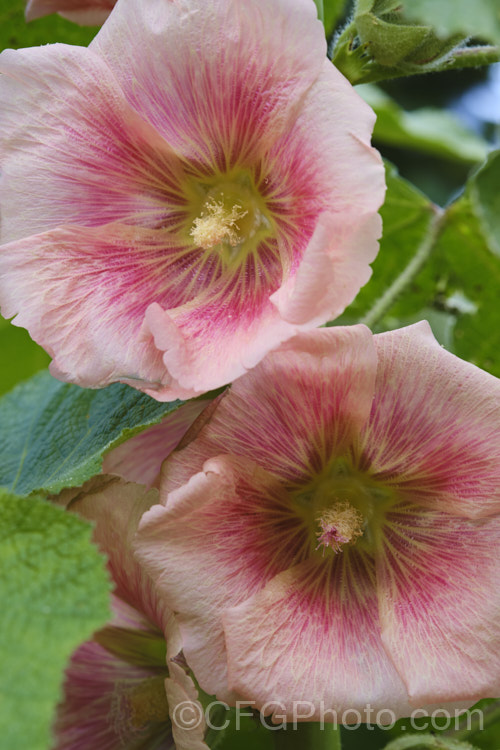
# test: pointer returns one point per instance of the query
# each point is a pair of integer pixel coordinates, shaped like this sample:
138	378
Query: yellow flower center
228	216
218	224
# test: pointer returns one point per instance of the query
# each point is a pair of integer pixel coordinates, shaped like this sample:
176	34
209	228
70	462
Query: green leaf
20	355
461	275
431	131
53	435
480	18
484	194
55	593
427	742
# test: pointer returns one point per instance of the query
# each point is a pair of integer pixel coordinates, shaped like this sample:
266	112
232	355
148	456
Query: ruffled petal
312	636
180	689
116	507
293	412
437	578
341	239
218	540
334	267
433	434
82	293
188	337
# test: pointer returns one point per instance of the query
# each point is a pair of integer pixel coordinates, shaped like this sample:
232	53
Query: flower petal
84	12
80	285
97	707
332	120
312	636
220	537
73	150
140	458
189	336
116	507
258	60
296	409
334	267
180	689
437	579
433	433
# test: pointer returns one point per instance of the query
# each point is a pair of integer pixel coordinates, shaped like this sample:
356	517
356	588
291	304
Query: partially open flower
122	687
83	12
178	199
331	536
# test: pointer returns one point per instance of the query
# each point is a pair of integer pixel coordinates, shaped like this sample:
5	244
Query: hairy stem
472	57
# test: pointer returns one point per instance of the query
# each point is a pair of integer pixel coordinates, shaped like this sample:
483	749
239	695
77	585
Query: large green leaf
461	276
429	130
479	18
484	195
53	435
54	591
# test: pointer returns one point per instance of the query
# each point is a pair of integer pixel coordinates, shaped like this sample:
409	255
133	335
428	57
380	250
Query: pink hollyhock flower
331	535
191	190
84	12
122	686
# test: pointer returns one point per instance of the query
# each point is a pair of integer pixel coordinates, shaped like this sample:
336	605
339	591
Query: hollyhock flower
185	194
122	686
331	535
84	12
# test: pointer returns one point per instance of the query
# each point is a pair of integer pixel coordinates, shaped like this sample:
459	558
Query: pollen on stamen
340	524
217	224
